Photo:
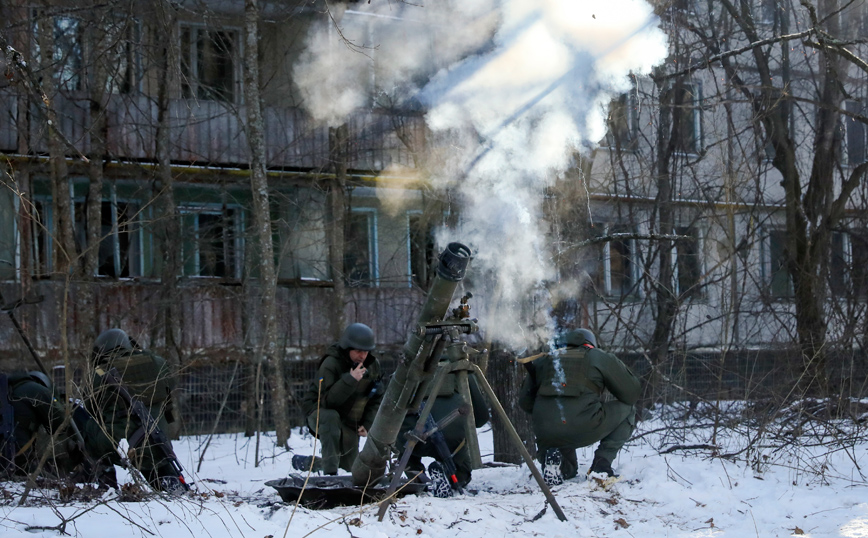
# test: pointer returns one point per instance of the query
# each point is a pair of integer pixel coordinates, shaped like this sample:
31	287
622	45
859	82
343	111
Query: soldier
342	401
448	399
147	378
31	409
563	393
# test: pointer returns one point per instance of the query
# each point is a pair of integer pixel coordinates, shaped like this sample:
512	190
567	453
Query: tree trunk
262	222
64	253
666	304
337	212
505	376
167	228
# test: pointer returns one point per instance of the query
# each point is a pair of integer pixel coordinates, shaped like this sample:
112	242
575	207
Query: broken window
209	63
623	123
777	276
303	245
211	242
684	100
421	243
688	270
360	253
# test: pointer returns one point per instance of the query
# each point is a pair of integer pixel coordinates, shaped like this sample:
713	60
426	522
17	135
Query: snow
766	486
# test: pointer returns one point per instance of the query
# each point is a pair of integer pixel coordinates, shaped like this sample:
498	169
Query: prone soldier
563	393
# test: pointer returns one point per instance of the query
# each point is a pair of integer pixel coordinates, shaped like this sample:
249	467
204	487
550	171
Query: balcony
211	133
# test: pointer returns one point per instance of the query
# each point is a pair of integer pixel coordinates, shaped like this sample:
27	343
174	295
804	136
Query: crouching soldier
448	400
342	401
32	418
563	393
132	399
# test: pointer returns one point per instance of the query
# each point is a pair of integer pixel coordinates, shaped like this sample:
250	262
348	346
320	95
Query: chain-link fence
236	397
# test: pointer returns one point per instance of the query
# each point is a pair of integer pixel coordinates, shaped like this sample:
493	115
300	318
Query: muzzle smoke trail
513	89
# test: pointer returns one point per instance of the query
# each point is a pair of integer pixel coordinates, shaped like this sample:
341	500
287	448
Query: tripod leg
495	404
469	422
433	388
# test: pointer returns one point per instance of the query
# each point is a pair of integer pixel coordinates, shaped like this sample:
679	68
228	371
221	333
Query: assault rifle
7	427
444	455
148	430
420	435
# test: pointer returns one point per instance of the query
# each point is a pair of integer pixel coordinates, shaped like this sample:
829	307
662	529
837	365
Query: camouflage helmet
357	336
40	378
111	340
577	337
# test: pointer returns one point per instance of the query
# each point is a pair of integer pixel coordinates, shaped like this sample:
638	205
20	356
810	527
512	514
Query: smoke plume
512	89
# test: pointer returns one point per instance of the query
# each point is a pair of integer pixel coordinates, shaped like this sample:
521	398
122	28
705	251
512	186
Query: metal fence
226	397
211	390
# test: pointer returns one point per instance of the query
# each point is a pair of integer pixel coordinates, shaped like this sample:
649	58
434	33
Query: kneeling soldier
341	403
563	393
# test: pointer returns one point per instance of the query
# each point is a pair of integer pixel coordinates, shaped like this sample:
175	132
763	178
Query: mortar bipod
458	359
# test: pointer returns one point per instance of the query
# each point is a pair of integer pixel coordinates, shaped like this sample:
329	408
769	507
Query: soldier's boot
551	471
303	463
603	466
439	484
172	485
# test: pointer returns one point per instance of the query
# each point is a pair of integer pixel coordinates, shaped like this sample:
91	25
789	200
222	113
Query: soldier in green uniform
35	416
448	399
148	379
563	393
342	401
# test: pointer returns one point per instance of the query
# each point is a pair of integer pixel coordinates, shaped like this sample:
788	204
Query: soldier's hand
358	372
363	432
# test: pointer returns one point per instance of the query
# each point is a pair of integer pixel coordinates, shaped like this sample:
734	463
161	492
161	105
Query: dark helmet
577	337
357	336
40	378
111	340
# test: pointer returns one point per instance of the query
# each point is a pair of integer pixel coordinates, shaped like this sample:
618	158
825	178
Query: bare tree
261	210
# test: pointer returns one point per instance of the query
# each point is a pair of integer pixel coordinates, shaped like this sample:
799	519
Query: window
65	40
421	249
777	276
765	11
839	264
684	101
303	250
688	263
211	246
859	264
120	245
855	134
40	247
120	58
615	272
683	5
623	123
209	64
8	233
360	253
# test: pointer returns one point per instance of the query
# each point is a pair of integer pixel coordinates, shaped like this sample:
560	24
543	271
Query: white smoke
512	89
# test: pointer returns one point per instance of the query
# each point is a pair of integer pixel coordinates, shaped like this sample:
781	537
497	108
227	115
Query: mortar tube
371	463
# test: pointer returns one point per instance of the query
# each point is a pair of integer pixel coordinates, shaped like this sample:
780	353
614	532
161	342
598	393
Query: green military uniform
36	411
148	379
343	405
563	393
449	399
34	407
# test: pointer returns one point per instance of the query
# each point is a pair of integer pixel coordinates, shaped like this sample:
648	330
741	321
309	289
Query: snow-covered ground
816	487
